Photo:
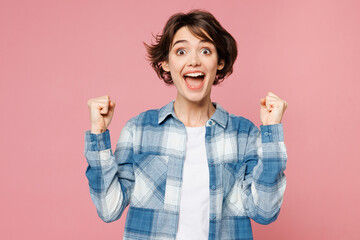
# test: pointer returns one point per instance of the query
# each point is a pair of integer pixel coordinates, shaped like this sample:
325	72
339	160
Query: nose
194	59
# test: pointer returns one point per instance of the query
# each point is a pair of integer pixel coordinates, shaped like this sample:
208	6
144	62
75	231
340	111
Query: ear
165	66
221	65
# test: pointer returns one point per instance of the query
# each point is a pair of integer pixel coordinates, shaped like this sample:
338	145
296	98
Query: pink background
55	55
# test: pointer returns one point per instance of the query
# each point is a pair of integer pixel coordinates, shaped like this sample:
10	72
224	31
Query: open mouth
194	80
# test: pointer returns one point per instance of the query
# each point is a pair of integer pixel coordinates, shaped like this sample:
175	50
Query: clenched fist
272	109
101	113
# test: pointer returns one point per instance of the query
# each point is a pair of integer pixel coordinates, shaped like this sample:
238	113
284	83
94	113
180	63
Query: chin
196	97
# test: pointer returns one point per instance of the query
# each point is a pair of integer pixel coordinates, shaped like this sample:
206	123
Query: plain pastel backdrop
56	55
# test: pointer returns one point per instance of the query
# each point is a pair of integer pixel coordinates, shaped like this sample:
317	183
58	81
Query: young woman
189	170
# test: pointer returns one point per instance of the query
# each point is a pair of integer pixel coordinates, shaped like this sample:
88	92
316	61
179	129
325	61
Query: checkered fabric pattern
246	167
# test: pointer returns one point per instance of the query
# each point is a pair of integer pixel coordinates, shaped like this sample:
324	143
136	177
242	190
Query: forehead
184	33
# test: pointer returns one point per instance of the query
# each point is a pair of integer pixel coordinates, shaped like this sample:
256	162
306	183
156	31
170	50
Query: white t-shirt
195	194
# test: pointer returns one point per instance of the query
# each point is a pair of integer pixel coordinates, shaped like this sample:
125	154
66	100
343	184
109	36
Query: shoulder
243	127
240	121
235	122
147	117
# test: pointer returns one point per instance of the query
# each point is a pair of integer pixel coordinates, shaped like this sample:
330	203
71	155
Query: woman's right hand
101	113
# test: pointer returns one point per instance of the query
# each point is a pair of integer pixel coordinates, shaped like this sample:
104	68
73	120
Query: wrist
271	123
97	131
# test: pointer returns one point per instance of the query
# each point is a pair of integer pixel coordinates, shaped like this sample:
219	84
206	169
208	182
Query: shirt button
213	187
210	122
266	133
213	216
208	137
211	160
93	143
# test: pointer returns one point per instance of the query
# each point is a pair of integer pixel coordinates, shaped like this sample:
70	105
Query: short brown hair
197	22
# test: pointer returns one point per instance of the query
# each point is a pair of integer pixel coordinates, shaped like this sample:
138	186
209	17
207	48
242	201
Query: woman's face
193	64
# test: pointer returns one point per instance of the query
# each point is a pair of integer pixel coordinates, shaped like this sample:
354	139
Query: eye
205	51
180	52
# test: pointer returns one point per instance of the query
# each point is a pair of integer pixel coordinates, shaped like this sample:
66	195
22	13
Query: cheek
175	70
212	64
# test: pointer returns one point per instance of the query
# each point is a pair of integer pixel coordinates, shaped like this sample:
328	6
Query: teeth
194	74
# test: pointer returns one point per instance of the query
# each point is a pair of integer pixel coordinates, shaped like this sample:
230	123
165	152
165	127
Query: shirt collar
220	116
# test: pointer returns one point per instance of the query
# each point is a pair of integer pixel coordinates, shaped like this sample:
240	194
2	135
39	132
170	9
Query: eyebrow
202	41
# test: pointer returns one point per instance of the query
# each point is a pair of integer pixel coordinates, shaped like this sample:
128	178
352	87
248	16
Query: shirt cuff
272	133
97	142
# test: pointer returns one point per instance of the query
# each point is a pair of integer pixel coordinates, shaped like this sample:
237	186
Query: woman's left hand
272	109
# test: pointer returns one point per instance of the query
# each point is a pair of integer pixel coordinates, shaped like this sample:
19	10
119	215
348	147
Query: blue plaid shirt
246	168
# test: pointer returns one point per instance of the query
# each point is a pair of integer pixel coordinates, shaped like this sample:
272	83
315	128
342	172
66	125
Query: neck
193	114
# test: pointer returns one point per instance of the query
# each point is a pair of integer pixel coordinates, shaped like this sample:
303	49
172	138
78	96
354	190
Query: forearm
105	187
266	186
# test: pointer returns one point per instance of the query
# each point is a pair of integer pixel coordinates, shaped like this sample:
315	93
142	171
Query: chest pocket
231	173
150	181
